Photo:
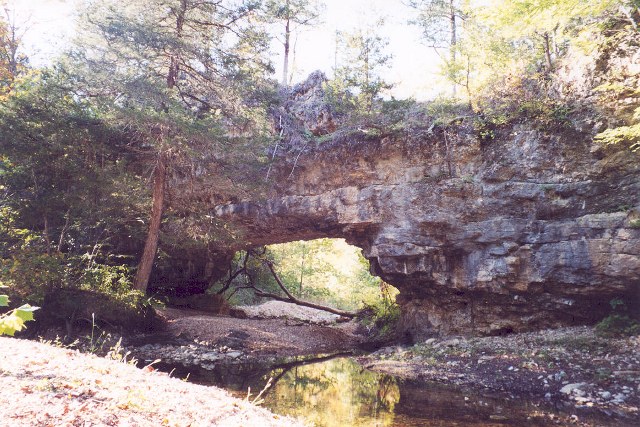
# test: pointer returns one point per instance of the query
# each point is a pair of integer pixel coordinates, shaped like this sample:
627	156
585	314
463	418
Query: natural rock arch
477	239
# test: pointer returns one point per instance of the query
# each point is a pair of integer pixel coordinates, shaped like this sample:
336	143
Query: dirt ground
277	337
43	385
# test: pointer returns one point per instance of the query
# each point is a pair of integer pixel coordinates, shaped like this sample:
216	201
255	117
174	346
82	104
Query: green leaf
4	300
27	307
6	330
11	324
25	312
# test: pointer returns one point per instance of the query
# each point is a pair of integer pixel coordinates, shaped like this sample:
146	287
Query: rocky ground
568	366
199	338
43	385
571	365
282	310
597	378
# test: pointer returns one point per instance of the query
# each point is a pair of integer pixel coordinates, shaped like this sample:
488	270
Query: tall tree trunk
367	74
302	269
287	42
174	61
547	50
454	38
151	245
145	265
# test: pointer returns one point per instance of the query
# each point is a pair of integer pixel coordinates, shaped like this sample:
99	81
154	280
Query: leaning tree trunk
151	245
145	266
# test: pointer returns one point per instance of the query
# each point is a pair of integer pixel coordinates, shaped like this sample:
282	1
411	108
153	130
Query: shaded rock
211	303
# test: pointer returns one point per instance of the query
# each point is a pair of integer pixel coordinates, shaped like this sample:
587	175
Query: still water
337	391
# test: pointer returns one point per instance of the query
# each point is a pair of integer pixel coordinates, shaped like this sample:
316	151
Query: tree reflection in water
337	392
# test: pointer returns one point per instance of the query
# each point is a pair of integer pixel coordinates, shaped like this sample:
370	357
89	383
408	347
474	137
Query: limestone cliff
531	231
535	227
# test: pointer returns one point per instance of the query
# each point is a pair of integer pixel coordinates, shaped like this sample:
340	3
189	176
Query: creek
337	391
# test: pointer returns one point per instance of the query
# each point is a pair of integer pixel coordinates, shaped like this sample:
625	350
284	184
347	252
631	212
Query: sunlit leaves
14	321
327	271
439	20
622	134
13	61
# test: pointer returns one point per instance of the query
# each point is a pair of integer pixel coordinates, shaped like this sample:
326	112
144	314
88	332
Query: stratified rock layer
533	229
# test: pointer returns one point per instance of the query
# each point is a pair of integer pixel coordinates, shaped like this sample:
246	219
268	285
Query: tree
292	15
542	21
12	60
172	74
363	57
440	22
65	194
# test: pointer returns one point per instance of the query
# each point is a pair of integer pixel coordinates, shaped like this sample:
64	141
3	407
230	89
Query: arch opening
326	271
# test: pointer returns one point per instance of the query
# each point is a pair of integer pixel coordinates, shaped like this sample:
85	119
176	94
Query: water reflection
337	392
330	392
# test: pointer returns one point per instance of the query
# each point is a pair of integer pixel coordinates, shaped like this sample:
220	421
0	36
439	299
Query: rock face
534	230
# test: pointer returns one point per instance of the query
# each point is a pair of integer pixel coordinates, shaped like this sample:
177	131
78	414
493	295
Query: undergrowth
618	323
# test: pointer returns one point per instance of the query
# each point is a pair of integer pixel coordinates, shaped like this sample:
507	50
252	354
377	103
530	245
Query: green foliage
621	135
14	320
435	19
616	304
446	110
444	27
546	24
515	99
325	271
382	314
487	42
25	266
289	16
13	61
113	281
69	195
397	110
357	82
618	323
300	12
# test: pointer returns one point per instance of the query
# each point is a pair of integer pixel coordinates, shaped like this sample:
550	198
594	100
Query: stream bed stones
572	366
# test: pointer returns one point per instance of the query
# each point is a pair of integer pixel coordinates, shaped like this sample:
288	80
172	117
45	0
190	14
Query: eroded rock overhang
532	229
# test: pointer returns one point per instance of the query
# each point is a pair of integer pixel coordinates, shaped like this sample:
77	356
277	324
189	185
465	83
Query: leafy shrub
618	323
515	98
621	135
113	281
381	315
69	287
25	265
